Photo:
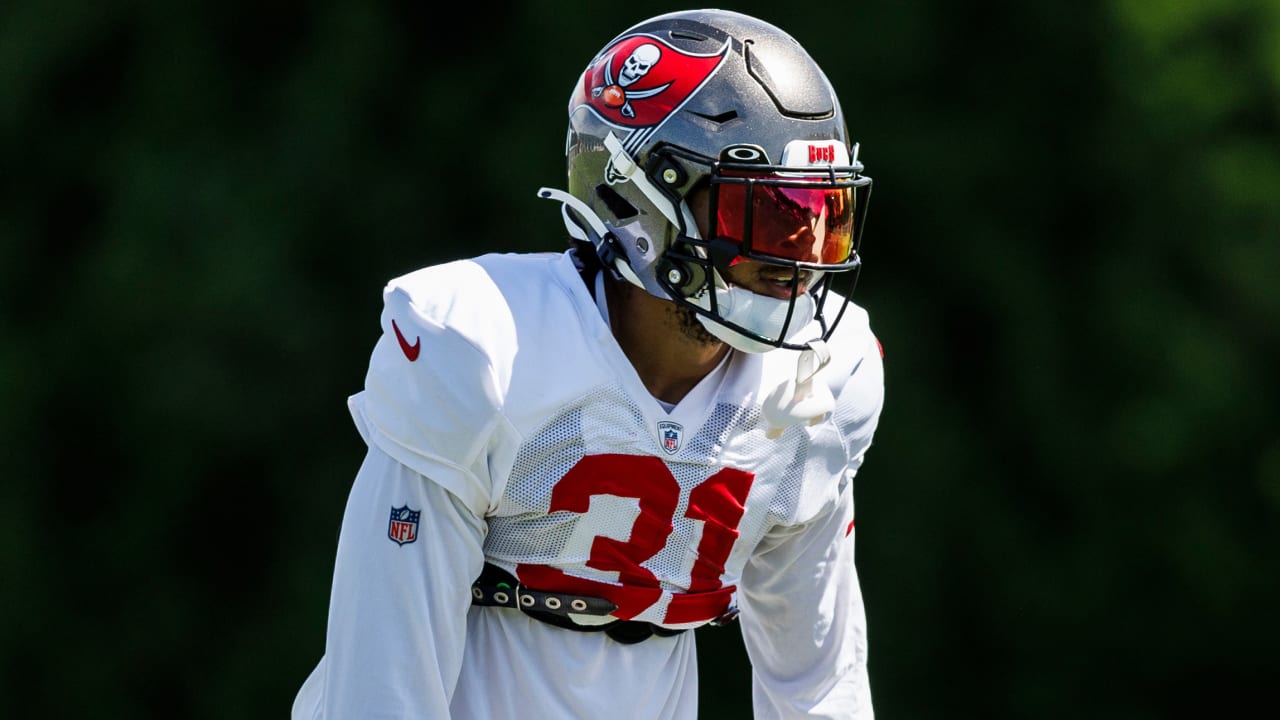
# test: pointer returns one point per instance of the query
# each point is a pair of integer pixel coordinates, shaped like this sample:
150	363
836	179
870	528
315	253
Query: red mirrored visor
808	222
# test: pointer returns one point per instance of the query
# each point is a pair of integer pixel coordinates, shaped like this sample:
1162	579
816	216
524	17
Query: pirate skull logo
637	65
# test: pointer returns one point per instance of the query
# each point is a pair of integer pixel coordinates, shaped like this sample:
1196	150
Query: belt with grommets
498	588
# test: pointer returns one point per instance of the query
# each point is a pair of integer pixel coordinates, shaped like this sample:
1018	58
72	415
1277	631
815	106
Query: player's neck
668	358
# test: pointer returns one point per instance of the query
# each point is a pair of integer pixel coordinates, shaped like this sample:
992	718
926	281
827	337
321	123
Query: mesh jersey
498	378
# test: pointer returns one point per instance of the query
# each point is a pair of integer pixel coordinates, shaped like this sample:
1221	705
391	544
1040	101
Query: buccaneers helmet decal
640	80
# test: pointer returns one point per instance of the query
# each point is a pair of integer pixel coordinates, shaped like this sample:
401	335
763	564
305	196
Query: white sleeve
803	622
397	612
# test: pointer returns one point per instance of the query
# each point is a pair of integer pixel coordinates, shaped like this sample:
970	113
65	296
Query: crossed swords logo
615	94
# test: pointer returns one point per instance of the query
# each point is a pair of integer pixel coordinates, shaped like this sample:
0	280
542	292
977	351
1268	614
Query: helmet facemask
803	221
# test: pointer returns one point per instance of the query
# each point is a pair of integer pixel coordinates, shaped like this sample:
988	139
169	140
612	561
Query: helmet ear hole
617	204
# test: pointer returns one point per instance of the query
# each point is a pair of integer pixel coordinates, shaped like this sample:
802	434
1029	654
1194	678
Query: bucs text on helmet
718	102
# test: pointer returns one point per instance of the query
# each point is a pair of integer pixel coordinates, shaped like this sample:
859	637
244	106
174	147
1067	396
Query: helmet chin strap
584	224
800	400
621	162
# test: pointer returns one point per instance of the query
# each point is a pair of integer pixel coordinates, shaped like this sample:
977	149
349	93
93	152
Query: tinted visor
808	221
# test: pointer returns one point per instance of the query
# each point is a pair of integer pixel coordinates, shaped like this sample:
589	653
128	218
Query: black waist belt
497	587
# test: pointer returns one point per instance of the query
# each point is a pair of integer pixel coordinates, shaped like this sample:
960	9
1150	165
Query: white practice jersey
505	425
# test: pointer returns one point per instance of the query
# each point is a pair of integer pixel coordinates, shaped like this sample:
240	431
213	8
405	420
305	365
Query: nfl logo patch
671	434
403	527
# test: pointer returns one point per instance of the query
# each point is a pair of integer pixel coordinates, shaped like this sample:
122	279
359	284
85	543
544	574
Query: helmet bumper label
815	153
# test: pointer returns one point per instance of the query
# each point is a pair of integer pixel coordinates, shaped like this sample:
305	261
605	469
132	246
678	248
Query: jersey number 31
717	503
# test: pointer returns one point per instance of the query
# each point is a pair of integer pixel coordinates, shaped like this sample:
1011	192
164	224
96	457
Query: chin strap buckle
801	400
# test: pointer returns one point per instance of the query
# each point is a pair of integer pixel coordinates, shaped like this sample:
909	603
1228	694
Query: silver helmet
728	109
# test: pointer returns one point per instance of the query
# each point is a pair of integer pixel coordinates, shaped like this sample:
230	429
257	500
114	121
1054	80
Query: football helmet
721	104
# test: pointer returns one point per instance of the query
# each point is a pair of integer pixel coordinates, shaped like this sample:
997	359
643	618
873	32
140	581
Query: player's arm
803	621
400	595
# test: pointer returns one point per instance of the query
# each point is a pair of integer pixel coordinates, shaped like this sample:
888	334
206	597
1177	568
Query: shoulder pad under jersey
440	377
431	397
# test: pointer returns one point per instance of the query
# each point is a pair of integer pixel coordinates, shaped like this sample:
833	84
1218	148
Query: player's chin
692	328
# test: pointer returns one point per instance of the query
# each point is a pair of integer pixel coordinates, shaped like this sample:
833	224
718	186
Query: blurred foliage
1072	261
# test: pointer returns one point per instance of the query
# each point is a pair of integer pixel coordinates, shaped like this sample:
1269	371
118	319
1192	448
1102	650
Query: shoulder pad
431	398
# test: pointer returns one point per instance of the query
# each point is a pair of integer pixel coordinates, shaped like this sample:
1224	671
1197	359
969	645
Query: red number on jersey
717	503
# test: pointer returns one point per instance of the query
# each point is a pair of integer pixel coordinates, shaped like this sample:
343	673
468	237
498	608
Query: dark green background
1073	261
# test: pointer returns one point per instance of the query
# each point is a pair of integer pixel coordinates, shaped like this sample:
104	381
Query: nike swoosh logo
410	351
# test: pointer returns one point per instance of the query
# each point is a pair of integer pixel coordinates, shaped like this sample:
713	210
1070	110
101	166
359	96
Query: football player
576	458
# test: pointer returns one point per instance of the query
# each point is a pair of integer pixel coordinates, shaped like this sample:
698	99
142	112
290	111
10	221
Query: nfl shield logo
403	527
671	434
